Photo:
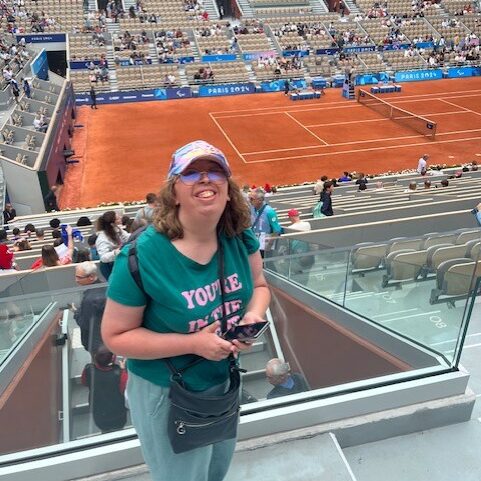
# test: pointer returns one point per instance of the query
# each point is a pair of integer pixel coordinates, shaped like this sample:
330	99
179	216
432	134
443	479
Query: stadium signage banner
417	75
396	46
326	51
84	64
458	72
425	45
295	53
125	62
360	49
226	89
43	38
278	85
373	78
39	66
219	58
186	59
257	55
136	96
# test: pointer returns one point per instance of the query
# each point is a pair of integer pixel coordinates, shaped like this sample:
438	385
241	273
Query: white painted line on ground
394	313
472	345
413	315
305	128
228	139
452	340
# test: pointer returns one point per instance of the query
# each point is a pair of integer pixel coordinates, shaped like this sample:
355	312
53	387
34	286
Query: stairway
352	6
93	7
246	9
114	86
212	9
319	7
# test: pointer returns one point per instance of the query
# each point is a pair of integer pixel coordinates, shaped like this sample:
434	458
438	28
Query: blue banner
83	64
186	59
396	46
219	58
255	55
278	85
125	62
135	96
373	78
360	49
40	65
42	38
458	72
416	75
226	89
319	82
295	53
327	51
425	45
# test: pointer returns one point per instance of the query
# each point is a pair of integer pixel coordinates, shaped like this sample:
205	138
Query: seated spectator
279	375
412	186
345	177
40	234
9	213
296	222
445	183
427	184
21	245
54	223
83	221
56	234
106	381
16	234
94	256
39	124
6	255
362	187
82	254
29	229
319	185
127	223
361	179
474	165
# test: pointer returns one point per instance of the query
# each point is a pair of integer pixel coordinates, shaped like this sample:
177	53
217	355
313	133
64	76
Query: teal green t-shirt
183	297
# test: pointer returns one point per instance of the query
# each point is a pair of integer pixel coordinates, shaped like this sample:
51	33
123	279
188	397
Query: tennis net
420	124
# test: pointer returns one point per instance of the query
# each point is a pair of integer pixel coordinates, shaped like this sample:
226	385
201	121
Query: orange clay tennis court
124	150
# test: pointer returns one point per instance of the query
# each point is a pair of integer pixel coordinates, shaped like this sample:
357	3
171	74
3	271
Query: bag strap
256	221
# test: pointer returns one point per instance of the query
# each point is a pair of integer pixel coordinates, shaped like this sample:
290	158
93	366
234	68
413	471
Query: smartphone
246	332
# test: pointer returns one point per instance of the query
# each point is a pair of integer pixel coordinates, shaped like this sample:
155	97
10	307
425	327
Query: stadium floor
124	149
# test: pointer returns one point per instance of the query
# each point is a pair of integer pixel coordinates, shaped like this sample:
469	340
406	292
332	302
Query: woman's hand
209	345
249	318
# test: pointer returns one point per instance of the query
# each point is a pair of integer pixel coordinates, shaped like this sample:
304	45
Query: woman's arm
256	310
123	334
70	245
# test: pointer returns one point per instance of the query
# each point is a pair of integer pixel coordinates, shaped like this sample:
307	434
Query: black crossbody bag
197	419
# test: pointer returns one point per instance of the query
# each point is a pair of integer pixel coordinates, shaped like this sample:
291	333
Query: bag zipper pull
180	427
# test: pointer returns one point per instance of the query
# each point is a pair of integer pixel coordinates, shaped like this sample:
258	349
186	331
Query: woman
326	199
110	238
200	208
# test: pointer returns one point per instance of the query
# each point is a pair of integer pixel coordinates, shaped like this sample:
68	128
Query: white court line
415	96
471	345
461	107
305	128
277	159
335	105
385	120
393	313
355	142
413	315
228	138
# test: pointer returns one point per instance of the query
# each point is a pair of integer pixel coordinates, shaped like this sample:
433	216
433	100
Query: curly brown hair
233	221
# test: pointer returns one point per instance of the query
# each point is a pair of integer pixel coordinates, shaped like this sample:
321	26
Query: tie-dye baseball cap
198	149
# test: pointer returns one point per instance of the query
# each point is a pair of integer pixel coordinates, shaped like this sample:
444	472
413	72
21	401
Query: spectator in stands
110	238
40	234
54	223
445	183
26	87
423	165
147	212
264	221
39	124
427	184
15	89
83	221
29	229
345	177
6	255
56	234
56	255
89	314
411	187
50	200
319	185
474	165
81	254
326	199
106	381
9	213
361	179
22	245
16	234
296	222
278	374
127	222
362	187
94	256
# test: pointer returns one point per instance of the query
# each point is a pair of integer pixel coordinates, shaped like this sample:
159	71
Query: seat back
368	256
407	265
447	253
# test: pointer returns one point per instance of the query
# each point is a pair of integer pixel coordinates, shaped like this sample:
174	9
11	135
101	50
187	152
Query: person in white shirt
296	222
423	164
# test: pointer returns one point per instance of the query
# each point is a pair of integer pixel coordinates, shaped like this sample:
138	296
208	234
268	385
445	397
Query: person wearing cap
177	313
278	374
296	222
265	223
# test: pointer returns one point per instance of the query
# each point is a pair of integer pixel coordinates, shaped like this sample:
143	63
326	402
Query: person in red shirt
6	255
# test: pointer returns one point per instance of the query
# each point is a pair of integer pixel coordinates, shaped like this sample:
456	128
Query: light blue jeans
149	409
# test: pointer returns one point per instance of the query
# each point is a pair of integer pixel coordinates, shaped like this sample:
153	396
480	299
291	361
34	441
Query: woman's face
205	196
